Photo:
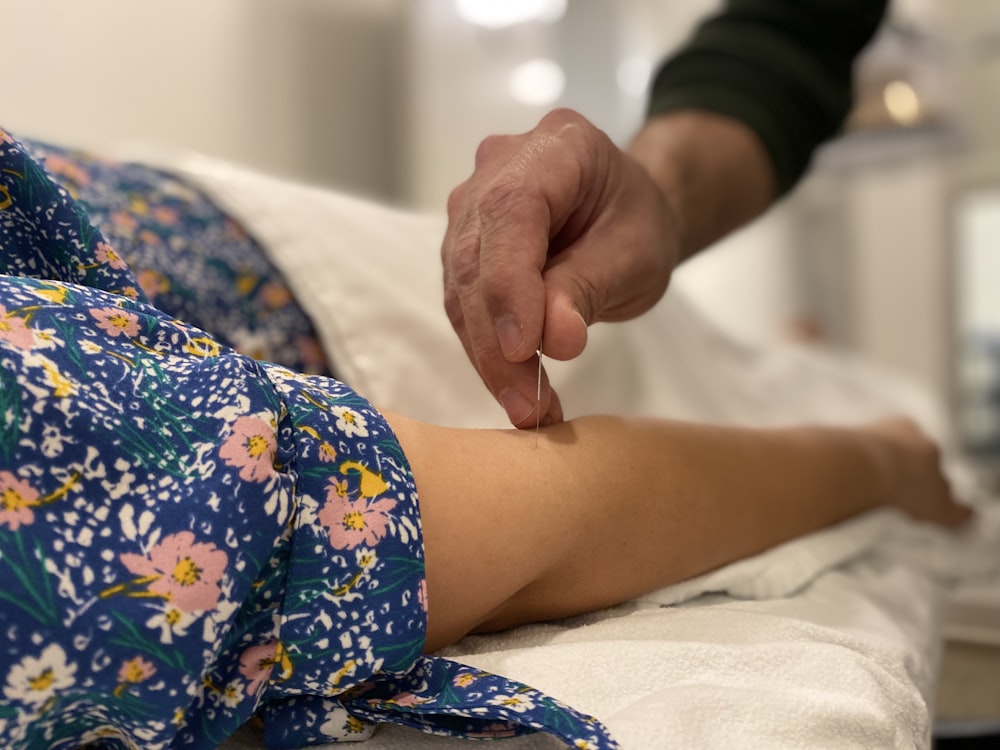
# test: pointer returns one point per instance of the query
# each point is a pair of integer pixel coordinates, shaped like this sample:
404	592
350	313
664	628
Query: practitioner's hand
916	482
556	229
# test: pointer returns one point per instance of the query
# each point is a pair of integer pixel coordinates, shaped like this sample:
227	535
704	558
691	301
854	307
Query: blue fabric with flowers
189	258
189	537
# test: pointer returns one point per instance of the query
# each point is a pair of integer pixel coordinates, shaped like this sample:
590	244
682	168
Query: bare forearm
603	509
668	500
713	171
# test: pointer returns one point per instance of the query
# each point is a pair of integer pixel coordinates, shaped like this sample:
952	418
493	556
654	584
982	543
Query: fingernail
518	408
509	334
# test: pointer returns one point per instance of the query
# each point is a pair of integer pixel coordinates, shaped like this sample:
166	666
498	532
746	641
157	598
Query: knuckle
573	128
509	200
561	116
453	308
456	200
491	148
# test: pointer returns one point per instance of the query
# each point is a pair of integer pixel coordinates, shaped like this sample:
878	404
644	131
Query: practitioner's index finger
513	252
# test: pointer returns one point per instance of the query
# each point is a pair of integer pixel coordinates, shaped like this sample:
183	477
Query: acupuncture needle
538	396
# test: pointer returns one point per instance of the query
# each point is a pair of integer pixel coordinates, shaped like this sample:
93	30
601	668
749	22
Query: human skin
558	228
604	509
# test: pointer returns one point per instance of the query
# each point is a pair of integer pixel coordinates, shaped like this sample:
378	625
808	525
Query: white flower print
35	680
171	622
366	558
350	422
519	703
232	694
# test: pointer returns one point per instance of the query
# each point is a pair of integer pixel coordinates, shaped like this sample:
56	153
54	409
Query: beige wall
300	87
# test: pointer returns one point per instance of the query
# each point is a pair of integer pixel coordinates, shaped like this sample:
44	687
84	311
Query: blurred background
887	249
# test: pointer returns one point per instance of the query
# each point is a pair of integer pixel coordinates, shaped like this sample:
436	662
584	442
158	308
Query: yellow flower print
372	484
54	294
354	725
61	385
139	206
202	346
246	283
463	680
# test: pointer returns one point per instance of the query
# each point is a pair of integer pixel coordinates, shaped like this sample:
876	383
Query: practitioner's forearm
713	171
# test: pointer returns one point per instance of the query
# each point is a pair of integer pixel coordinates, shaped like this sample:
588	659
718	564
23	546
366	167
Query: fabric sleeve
783	67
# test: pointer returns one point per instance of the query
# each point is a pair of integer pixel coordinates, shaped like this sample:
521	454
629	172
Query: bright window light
496	14
537	83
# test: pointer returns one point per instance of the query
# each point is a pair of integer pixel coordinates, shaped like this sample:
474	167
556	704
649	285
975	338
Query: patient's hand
915	482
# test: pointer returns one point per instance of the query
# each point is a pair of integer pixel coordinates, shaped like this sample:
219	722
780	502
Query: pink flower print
132	672
5	137
153	283
16	499
116	322
258	662
251	447
422	594
184	572
353	522
14	331
407	699
60	165
234	230
327	453
493	731
311	353
166	215
124	222
149	237
106	254
275	295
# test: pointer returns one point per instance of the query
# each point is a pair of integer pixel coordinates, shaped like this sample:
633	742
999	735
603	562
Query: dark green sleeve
783	67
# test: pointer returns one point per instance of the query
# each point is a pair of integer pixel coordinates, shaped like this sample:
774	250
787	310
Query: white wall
300	87
456	78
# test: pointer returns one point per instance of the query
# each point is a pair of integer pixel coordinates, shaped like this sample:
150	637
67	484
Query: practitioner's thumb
565	333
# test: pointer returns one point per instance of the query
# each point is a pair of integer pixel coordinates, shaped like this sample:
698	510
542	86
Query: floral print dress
189	537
